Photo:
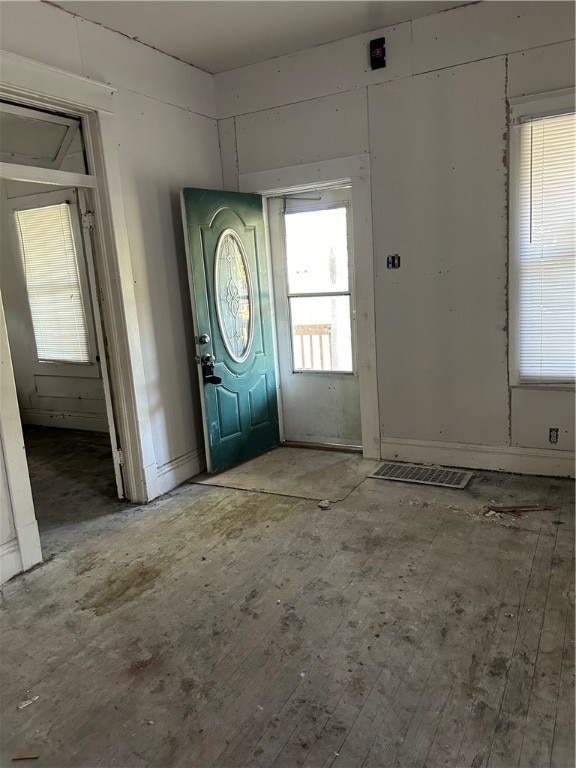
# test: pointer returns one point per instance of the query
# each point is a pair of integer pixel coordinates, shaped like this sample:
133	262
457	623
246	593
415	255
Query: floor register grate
416	473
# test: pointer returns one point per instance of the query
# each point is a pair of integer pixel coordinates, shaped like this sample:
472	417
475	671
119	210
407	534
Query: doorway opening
312	253
51	302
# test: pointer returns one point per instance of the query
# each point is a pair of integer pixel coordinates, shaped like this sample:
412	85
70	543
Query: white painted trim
17	476
273	314
301	177
10	560
87	237
542	104
119	311
319	440
16	172
24	76
354	169
502	458
65	419
177	471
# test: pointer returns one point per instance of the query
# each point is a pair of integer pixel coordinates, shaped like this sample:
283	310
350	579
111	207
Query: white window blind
546	258
48	252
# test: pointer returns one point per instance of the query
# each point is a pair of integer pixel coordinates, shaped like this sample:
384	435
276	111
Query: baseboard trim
176	471
10	560
65	420
505	458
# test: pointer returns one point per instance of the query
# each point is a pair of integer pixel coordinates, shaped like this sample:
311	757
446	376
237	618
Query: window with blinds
545	258
49	257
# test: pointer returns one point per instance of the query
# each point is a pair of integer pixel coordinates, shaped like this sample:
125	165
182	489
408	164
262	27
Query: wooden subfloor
228	628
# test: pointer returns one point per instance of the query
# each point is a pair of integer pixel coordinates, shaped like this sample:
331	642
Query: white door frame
37	85
354	170
23	551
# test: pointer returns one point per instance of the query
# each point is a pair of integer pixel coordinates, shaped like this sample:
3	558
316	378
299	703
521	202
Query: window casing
542	241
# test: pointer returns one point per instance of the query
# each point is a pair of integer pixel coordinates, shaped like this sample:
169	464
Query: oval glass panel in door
233	295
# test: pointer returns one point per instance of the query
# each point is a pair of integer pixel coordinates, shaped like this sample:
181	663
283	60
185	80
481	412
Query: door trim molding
26	539
47	176
355	170
38	85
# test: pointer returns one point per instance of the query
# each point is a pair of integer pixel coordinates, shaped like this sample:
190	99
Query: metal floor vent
416	473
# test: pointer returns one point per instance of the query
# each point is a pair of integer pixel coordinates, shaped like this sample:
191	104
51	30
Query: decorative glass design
233	295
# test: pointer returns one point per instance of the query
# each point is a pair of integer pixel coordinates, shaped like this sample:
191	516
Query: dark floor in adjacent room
71	474
222	627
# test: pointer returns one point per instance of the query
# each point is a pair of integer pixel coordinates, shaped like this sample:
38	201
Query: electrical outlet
553	435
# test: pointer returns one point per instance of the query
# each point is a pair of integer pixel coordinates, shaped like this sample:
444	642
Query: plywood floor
222	627
304	474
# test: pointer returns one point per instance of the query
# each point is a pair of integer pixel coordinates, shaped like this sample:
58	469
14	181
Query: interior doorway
312	254
51	302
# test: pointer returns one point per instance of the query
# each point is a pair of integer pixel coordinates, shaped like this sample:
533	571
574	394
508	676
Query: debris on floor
517	510
324	504
27	702
25	757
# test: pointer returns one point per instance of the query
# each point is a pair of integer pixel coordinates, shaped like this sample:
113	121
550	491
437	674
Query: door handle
208	376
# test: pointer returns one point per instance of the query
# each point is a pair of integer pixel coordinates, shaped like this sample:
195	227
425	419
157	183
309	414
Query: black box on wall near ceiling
378	53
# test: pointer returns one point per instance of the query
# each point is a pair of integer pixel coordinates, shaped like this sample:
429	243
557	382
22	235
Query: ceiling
217	35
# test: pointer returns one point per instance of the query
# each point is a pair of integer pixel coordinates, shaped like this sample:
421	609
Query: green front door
231	301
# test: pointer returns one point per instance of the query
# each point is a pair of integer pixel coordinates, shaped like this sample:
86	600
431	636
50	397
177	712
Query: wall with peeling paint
434	125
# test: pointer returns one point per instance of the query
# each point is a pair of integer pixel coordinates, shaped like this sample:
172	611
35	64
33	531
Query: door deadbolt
208	376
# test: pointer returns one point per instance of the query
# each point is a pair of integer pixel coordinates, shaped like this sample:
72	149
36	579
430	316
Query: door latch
208	376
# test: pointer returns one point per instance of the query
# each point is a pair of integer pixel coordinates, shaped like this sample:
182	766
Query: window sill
544	386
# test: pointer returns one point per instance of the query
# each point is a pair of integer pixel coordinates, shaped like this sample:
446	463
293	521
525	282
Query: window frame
328	198
72	125
521	111
90	369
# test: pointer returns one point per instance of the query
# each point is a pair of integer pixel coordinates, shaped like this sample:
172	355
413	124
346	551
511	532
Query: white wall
434	124
167	138
439	201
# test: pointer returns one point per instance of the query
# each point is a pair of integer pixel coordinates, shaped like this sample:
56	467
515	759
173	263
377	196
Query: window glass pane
49	258
321	333
30	138
75	158
35	138
317	251
547	249
233	295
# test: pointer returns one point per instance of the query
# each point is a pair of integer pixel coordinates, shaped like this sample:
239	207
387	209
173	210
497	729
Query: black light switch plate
378	53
